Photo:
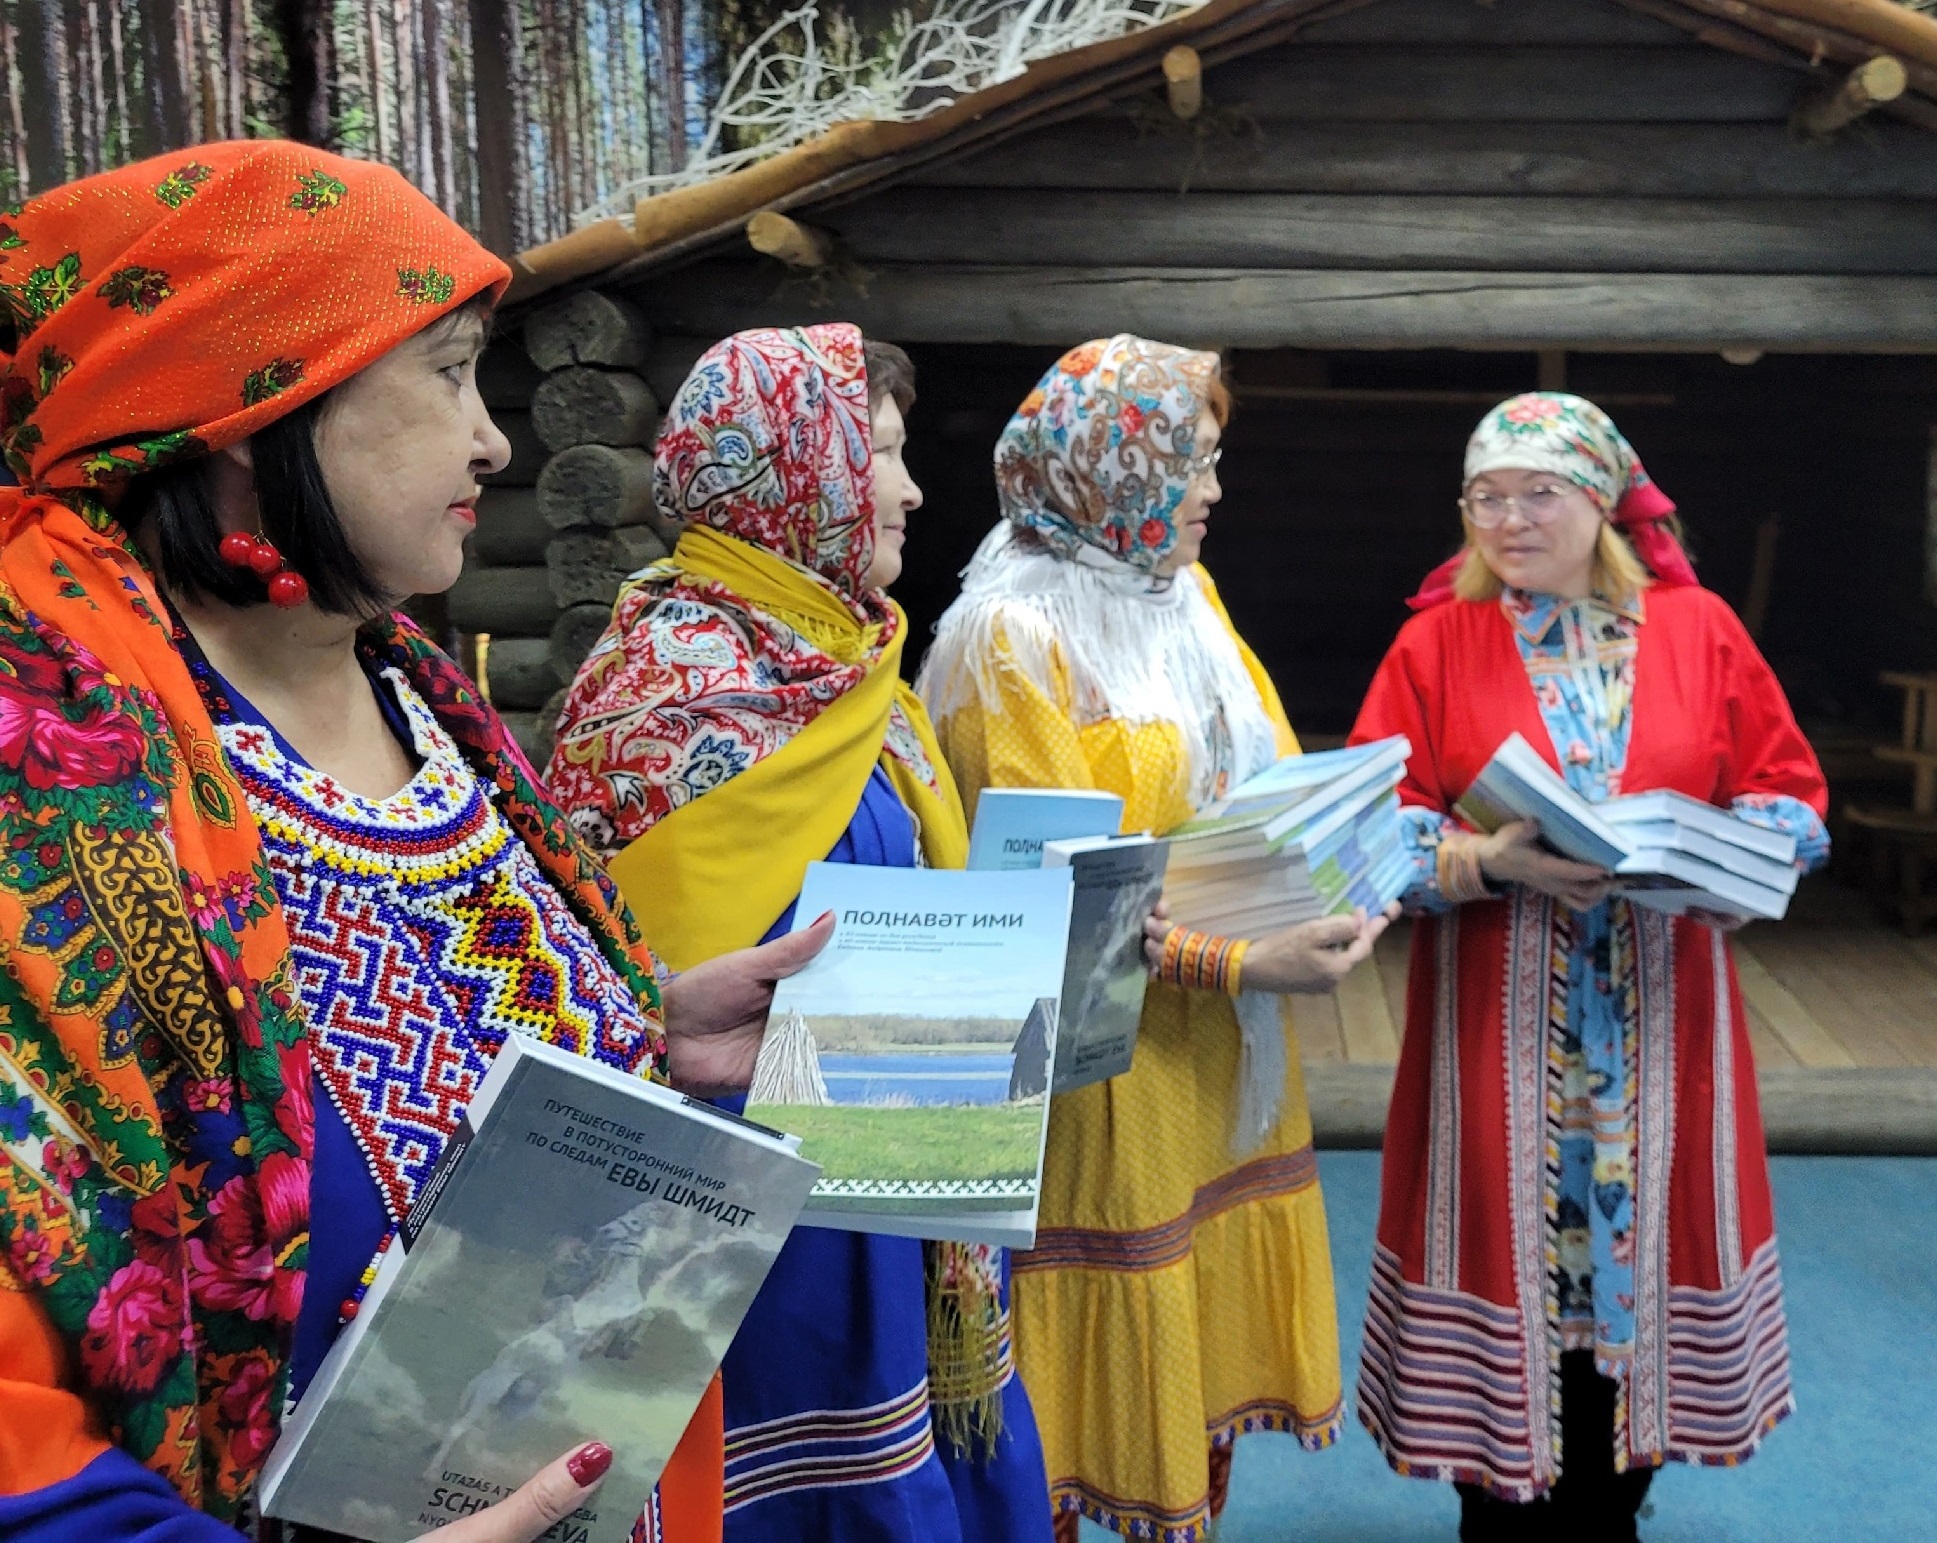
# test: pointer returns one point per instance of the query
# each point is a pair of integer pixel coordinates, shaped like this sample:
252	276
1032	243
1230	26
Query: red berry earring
287	588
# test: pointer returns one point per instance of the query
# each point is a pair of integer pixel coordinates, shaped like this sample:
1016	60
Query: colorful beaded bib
422	931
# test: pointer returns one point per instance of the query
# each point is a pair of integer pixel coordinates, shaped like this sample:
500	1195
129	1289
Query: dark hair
297	515
891	373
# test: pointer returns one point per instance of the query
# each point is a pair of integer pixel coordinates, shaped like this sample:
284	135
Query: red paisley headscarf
1569	436
768	442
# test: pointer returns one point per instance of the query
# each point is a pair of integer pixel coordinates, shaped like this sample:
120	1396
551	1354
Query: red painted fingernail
822	917
588	1464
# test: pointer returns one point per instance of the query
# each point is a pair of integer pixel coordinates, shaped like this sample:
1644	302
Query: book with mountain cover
913	1055
1011	824
577	1262
1118	881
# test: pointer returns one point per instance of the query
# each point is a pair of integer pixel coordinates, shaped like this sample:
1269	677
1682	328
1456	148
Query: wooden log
587	406
518	671
573	635
505	602
1308	308
1623	160
527	451
600	485
506	376
1322	230
511	531
1184	82
1866	87
1520	24
590	327
590	565
773	234
1386	84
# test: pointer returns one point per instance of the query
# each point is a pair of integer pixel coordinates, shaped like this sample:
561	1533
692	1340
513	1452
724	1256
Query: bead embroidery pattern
423	931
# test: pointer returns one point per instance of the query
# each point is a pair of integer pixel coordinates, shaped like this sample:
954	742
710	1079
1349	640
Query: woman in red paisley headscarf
743	716
247	812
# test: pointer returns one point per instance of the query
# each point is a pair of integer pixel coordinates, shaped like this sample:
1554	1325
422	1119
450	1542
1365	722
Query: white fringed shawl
1135	649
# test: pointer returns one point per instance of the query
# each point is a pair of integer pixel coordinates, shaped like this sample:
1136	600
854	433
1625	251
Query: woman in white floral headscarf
1180	1293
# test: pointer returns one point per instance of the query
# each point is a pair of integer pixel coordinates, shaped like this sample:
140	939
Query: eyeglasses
1203	465
1537	506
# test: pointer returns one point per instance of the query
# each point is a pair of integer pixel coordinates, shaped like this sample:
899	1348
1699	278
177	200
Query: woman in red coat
1576	1247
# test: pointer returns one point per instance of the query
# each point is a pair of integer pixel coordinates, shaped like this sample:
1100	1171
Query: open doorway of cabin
1809	489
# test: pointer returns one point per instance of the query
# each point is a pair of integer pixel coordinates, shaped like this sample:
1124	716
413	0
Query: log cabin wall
1389	221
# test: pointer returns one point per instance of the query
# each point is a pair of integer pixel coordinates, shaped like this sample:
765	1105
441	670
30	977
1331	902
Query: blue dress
828	1433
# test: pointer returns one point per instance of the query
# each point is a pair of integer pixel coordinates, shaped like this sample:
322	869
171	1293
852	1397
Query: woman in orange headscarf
242	408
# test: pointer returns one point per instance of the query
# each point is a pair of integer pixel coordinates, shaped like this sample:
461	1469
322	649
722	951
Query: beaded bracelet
1458	870
1202	961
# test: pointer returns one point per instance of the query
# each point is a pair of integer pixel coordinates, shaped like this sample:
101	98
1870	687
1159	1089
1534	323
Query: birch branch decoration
798	79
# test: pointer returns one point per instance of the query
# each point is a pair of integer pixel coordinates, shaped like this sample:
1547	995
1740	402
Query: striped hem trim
1155	1248
828	1449
1192	1524
1313	1432
1443	1380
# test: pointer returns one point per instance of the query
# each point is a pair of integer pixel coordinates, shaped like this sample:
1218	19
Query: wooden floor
1830	987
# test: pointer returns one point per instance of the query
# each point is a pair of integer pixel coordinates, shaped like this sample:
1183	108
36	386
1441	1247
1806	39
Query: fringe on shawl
966	1363
1132	649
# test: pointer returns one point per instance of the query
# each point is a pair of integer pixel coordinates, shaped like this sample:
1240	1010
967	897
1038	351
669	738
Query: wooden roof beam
1868	86
1184	81
773	234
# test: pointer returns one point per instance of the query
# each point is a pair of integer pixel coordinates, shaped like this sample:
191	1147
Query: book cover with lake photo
913	1056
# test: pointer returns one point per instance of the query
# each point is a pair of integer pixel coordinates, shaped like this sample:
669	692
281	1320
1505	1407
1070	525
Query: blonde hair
1618	574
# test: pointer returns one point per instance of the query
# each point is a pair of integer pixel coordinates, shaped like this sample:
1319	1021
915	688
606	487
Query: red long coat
1459	1374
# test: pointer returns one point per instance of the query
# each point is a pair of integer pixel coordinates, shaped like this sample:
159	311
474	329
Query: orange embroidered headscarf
159	312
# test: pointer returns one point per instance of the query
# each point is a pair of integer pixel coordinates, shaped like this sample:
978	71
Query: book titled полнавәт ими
573	1270
913	1055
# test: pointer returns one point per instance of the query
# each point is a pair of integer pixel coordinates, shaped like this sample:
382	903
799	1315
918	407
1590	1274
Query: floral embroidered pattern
428	287
317	191
274	378
43	291
179	185
139	289
51	369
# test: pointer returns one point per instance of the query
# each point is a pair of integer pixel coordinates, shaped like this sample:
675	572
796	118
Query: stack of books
1310	836
1666	850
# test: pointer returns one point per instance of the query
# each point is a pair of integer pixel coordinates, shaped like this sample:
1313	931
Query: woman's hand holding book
1513	855
716	1012
554	1493
1313	957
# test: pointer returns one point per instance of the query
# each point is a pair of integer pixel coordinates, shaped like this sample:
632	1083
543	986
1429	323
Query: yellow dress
1178	1296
